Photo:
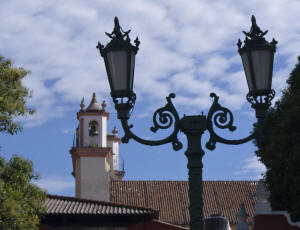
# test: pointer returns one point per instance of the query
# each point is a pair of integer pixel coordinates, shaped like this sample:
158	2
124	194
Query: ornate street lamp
257	57
119	58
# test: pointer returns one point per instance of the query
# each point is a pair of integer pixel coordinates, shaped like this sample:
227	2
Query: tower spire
82	104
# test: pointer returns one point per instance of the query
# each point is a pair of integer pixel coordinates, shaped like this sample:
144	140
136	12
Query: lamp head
119	58
258	57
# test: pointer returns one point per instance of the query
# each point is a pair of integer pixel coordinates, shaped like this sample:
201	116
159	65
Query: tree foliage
13	96
279	148
21	201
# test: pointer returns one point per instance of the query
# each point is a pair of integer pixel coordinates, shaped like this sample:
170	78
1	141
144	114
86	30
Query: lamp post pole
193	127
257	56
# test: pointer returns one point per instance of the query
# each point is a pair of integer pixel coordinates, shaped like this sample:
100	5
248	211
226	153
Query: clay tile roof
171	198
63	205
71	212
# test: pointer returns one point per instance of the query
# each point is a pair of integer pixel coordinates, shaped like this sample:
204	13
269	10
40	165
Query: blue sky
188	48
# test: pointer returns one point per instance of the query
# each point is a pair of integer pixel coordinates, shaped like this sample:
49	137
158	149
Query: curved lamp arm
223	119
163	118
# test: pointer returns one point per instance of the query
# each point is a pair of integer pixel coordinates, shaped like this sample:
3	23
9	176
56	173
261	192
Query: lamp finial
118	32
255	32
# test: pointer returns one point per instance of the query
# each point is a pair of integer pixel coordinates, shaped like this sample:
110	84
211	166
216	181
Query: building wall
92	180
275	221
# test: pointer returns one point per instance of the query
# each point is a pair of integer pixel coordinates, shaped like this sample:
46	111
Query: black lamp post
257	56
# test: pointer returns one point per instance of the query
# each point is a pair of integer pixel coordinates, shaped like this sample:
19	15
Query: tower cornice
78	152
102	113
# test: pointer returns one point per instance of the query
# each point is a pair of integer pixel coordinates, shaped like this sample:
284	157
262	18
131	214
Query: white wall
92	180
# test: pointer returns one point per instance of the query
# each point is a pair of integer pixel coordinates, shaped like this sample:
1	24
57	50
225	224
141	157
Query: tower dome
93	106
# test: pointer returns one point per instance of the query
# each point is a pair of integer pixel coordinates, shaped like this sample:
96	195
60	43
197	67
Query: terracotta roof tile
71	205
171	198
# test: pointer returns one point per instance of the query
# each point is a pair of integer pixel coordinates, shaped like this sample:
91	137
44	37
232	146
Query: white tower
113	142
91	156
95	153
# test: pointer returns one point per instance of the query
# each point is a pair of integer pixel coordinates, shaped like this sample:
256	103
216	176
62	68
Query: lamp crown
255	32
119	40
255	38
118	32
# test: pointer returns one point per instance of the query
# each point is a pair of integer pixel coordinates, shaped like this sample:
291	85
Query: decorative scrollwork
222	121
124	105
163	118
222	118
211	144
131	99
177	145
265	99
261	102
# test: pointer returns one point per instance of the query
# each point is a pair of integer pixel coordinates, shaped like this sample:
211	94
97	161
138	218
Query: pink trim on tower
94	113
89	152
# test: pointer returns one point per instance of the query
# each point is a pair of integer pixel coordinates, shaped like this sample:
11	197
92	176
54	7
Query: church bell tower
94	153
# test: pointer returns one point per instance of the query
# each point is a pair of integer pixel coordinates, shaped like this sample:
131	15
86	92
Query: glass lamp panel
117	62
246	64
261	60
132	63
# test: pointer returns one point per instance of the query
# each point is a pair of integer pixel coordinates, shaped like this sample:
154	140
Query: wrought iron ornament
117	38
255	37
261	103
255	32
193	127
167	116
163	118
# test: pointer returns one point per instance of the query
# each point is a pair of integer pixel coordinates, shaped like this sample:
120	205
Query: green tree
279	148
21	201
13	96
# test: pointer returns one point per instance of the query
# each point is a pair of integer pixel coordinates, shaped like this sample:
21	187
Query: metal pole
193	127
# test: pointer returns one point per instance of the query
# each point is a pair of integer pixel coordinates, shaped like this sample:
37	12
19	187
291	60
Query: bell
216	222
93	130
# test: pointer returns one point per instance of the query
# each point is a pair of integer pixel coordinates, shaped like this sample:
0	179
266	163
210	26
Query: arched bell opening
93	128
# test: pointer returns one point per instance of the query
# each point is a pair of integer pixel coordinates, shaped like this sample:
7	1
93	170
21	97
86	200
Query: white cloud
253	167
186	48
214	66
55	184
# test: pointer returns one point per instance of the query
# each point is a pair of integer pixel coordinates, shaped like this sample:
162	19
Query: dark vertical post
193	127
